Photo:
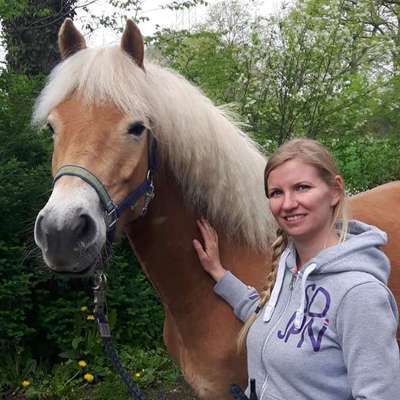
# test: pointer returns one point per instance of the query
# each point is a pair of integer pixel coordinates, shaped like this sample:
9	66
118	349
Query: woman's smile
295	218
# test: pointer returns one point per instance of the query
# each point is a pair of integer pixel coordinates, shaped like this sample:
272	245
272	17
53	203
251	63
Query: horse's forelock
97	76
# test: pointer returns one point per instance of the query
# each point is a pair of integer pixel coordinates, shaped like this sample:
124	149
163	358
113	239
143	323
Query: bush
366	161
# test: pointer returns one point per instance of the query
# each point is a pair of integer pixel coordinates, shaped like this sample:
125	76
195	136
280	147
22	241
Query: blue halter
113	211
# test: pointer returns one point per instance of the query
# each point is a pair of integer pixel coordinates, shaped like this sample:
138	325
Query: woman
325	326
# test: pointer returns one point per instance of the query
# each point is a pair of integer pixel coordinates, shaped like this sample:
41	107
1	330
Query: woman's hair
277	248
313	153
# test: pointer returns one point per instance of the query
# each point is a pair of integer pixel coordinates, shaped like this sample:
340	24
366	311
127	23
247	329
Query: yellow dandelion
90	317
137	375
88	377
82	364
25	383
84	309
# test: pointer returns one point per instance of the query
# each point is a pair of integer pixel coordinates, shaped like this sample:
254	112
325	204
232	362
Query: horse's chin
76	271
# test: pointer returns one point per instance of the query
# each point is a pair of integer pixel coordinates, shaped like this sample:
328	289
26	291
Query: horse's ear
70	40
132	42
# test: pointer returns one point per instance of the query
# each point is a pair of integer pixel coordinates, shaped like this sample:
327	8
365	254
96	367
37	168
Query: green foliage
15	292
203	58
12	8
16	366
150	367
24	178
366	161
66	380
139	316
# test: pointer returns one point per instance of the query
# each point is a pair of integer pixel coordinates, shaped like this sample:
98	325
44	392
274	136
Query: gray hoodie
328	331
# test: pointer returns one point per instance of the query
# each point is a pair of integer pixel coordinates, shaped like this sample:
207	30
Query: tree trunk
30	35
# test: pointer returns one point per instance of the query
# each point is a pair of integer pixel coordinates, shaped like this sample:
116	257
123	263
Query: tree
29	34
232	19
203	58
314	70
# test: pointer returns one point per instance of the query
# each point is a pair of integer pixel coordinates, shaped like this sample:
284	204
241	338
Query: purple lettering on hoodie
313	321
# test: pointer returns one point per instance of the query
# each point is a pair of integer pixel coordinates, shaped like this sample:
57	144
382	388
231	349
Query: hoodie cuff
233	290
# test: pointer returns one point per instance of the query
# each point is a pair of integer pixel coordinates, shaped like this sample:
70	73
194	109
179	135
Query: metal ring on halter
111	218
100	279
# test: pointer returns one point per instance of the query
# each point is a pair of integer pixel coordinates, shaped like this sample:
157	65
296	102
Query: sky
163	17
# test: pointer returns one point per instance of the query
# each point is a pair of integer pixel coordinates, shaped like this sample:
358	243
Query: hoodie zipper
292	284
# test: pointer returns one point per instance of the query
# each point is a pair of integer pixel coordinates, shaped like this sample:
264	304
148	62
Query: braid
277	248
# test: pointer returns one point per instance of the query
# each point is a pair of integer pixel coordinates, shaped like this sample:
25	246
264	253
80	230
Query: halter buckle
111	218
148	196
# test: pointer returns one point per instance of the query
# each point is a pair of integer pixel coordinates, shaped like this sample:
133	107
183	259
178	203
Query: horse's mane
219	168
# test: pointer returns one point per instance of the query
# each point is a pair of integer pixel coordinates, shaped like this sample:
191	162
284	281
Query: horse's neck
162	242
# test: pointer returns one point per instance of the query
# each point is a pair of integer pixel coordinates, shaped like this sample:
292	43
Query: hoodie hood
359	252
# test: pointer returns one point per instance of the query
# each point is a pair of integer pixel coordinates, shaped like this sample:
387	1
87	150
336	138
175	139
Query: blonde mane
219	168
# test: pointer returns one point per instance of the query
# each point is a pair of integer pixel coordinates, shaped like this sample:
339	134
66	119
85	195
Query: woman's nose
289	201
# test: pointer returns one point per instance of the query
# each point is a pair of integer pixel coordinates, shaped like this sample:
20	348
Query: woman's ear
338	190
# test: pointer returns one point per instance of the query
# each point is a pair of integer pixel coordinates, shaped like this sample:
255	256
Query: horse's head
107	146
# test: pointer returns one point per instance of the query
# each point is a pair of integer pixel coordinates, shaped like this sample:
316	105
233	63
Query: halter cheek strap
113	211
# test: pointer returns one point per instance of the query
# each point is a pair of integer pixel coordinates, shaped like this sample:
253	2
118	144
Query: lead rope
100	283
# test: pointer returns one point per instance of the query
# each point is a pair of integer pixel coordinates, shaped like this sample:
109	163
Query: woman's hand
209	254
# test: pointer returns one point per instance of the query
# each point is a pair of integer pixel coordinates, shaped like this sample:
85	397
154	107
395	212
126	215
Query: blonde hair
277	248
313	153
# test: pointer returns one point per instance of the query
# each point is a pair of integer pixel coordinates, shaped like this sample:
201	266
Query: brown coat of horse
200	330
381	206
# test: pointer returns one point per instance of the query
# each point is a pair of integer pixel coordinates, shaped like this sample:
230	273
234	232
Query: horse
107	108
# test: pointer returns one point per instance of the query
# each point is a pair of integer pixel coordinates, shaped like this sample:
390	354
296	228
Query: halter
113	211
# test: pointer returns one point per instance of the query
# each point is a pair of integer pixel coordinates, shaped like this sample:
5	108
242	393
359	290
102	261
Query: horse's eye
50	129
136	129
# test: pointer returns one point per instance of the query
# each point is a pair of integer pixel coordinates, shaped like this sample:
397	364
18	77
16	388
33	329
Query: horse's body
215	171
380	206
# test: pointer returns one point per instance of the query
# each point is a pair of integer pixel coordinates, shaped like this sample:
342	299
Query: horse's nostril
85	228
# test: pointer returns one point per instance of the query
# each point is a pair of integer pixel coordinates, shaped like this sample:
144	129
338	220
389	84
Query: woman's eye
303	188
274	193
136	129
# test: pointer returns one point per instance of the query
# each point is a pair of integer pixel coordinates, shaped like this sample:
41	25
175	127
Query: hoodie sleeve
367	322
242	298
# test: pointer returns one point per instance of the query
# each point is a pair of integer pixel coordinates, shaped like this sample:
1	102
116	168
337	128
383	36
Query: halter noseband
113	211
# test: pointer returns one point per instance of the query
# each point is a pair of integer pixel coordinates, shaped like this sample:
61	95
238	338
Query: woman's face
301	202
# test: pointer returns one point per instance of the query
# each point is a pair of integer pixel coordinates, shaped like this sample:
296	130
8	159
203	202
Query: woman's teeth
294	217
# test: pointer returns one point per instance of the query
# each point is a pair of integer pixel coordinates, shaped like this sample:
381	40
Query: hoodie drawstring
300	311
270	308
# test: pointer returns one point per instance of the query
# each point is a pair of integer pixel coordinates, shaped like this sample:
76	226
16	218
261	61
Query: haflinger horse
107	107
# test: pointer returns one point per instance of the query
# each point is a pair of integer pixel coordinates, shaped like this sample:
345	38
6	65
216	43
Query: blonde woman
325	326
